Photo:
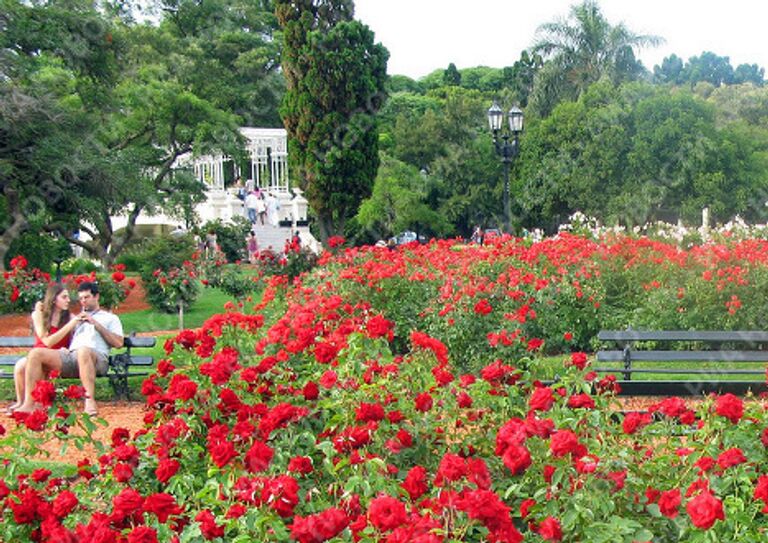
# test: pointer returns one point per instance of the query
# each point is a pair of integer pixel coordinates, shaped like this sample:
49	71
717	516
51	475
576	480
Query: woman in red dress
52	325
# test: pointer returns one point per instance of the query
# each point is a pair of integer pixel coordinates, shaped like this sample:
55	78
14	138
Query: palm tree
583	48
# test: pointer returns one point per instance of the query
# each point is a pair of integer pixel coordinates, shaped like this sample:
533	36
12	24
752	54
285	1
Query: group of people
260	207
72	346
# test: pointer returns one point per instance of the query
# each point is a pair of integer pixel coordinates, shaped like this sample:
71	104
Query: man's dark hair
88	285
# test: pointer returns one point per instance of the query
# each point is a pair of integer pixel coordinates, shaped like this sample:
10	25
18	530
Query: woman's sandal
90	408
11	408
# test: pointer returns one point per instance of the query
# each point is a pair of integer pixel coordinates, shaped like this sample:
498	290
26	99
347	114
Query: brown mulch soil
117	415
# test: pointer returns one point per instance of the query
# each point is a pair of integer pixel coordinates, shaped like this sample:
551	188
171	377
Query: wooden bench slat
683	371
674	388
21	341
685	356
135	341
683	335
142	360
10	359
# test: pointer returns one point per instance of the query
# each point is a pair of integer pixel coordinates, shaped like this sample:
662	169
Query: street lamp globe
515	117
495	117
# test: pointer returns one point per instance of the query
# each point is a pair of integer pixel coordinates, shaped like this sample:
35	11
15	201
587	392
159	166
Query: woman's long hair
54	289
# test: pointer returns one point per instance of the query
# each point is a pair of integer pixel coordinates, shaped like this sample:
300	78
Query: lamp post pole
506	150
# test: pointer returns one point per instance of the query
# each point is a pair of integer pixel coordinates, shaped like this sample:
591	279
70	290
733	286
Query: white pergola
268	167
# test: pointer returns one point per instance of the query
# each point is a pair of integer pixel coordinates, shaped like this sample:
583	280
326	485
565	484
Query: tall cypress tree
335	76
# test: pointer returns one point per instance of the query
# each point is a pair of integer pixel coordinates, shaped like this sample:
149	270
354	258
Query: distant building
267	166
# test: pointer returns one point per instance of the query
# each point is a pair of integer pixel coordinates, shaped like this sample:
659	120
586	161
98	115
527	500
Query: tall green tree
451	75
580	50
335	76
231	55
58	65
402	199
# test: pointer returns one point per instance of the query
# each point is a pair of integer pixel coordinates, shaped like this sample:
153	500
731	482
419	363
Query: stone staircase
276	236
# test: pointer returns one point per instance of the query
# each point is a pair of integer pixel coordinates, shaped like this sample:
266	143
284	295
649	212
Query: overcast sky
423	35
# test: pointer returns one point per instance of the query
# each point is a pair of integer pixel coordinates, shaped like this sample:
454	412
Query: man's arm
113	338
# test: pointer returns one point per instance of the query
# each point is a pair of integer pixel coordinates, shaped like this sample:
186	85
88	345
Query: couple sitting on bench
72	345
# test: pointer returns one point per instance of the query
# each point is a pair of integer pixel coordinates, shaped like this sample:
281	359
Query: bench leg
118	377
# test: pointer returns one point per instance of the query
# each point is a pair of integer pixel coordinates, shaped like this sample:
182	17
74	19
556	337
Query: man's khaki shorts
70	369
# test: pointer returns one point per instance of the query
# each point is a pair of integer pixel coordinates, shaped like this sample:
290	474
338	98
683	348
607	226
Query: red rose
64	504
487	507
730	407
258	457
669	502
634	421
35	421
513	432
671	407
541	399
517	458
282	495
208	526
162	505
369	411
525	507
731	457
126	504
300	464
704	510
387	513
581	401
463	400
142	534
579	360
328	379
222	452
761	491
378	326
415	483
423	402
122	472
118	276
565	442
549	529
310	391
44	393
452	468
166	469
320	527
483	307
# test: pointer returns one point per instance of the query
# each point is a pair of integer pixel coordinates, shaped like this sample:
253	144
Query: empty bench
120	367
741	355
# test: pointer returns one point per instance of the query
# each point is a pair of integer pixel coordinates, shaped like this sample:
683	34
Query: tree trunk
181	315
329	227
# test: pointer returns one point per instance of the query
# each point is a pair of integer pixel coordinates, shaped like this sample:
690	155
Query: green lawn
210	302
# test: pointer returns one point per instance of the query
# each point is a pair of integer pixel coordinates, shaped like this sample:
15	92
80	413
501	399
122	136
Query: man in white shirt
98	331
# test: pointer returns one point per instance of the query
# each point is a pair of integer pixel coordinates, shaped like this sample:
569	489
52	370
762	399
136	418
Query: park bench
121	364
676	355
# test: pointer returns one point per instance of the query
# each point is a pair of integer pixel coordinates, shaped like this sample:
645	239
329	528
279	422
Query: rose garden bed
395	396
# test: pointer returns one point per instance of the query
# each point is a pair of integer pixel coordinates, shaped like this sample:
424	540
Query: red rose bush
376	399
